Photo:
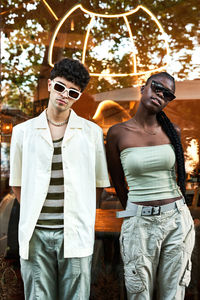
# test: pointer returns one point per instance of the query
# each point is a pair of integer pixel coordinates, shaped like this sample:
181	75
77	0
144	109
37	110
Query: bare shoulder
116	130
177	128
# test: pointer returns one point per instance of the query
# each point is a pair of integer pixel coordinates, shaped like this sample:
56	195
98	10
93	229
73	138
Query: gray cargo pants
47	275
156	251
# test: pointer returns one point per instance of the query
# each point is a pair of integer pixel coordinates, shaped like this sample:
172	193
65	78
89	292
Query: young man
57	161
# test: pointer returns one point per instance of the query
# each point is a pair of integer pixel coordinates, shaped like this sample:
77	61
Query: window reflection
26	34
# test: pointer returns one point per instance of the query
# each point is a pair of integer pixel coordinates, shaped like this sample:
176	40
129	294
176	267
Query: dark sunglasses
61	88
158	87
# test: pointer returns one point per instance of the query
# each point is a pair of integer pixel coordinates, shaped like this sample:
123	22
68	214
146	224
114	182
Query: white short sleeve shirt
84	168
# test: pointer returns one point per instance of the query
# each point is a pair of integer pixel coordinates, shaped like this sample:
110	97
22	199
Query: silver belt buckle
150	211
156	210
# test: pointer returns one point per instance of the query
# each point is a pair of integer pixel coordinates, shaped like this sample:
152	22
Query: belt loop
178	205
139	210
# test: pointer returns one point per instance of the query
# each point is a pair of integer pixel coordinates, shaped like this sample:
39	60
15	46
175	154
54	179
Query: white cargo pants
156	251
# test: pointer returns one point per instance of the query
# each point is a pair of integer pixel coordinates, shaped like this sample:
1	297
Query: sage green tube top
150	172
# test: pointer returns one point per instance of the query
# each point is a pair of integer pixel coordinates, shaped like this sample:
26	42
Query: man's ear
142	89
49	85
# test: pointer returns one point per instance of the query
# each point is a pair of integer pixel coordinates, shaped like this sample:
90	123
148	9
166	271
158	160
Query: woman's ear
142	89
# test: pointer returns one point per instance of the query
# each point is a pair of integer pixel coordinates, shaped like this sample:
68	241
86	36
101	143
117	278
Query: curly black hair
72	70
171	132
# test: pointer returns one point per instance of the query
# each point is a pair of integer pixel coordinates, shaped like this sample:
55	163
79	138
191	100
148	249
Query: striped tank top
51	215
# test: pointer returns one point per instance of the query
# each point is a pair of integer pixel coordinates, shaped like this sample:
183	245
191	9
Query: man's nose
65	94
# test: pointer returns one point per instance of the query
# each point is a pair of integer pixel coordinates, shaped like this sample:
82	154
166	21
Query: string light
109	104
56	31
50	10
132	41
124	15
101	106
86	39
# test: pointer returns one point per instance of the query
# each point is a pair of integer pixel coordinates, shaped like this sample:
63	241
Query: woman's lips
156	101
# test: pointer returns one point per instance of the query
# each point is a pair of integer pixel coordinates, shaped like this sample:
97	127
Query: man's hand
17	192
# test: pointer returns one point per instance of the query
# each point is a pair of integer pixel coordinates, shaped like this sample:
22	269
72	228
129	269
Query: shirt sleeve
102	178
15	158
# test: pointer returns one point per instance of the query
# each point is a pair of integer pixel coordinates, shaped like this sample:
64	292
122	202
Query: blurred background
122	43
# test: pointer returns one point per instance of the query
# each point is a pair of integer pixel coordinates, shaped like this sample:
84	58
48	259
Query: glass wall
122	43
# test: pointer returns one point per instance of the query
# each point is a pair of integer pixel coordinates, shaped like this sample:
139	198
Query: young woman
157	235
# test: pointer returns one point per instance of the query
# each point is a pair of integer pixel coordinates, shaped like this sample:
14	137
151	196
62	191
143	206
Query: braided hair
171	132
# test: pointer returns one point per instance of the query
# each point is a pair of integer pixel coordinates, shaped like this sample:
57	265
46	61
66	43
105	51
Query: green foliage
29	26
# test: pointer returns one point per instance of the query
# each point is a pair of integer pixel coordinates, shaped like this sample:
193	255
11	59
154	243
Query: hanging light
6	128
88	32
72	25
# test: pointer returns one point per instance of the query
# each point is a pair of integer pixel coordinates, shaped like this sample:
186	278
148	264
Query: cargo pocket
128	238
185	280
122	248
133	281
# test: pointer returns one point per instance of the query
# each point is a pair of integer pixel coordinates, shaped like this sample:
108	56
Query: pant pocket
185	280
75	265
133	281
128	240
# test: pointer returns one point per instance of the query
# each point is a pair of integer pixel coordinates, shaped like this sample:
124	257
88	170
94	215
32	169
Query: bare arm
114	165
17	192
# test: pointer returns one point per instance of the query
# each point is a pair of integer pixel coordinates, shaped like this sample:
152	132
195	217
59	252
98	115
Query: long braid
171	132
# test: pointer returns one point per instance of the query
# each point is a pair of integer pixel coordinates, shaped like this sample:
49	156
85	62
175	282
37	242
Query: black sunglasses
61	88
158	87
